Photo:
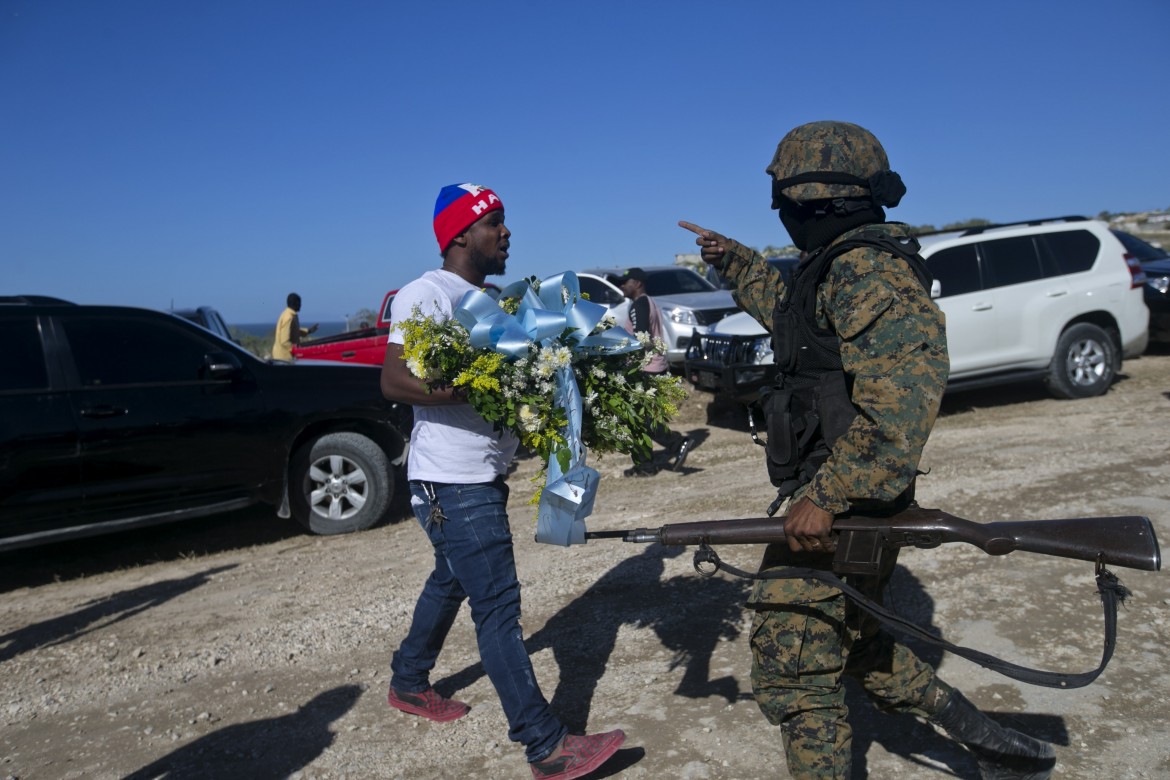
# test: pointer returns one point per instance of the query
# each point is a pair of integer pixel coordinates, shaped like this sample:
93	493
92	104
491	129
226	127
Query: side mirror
220	365
936	289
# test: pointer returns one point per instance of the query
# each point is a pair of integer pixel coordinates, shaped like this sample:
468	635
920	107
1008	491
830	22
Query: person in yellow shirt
289	330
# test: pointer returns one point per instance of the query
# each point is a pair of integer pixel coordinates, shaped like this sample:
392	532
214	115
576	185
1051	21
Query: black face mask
812	225
795	217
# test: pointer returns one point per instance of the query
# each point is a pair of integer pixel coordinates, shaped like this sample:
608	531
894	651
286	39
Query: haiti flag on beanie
458	207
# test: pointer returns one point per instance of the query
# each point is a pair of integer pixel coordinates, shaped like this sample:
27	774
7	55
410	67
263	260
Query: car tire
340	483
1084	364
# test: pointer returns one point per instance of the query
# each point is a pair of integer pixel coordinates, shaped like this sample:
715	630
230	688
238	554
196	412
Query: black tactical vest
809	407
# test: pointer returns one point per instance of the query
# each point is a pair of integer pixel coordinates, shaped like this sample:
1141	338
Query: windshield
1140	249
675	281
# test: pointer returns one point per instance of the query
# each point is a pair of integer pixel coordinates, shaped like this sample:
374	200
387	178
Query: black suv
734	359
114	417
1156	263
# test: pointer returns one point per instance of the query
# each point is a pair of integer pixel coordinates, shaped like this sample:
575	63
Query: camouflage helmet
825	160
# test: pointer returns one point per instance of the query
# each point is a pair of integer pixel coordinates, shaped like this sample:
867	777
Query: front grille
711	316
725	350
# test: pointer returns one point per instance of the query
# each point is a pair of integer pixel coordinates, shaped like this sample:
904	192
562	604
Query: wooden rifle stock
1114	541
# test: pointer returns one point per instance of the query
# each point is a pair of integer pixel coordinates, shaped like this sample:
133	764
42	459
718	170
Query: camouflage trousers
806	637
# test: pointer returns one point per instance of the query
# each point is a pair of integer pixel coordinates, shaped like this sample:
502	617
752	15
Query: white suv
1054	299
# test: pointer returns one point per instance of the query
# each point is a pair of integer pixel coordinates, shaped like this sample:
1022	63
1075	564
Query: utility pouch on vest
781	444
793	427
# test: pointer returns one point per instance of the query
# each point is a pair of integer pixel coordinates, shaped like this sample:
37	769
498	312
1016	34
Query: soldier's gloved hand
714	246
809	528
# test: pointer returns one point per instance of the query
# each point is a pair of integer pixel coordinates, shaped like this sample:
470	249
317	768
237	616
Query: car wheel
339	484
1084	364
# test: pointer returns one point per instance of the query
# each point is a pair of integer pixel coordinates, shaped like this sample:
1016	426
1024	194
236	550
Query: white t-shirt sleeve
428	297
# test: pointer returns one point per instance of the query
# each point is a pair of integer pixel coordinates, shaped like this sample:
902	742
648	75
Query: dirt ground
237	647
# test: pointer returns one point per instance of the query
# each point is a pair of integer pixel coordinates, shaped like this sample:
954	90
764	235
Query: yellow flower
482	373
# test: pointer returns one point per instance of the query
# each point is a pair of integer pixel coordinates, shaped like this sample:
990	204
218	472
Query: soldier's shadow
908	737
689	614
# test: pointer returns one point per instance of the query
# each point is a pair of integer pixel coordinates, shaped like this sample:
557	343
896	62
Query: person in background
289	331
456	468
645	320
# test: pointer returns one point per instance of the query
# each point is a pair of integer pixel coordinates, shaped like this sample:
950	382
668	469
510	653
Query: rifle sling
1111	590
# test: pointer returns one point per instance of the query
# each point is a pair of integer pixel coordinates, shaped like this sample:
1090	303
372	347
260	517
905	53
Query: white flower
529	420
417	368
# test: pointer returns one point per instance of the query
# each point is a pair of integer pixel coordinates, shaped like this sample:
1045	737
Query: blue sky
227	152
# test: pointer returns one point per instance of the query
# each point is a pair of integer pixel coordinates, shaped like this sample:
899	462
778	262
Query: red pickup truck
364	345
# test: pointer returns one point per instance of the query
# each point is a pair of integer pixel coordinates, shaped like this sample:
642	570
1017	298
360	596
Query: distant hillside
1151	226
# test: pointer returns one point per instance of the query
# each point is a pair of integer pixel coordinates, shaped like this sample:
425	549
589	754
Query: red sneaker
429	704
578	756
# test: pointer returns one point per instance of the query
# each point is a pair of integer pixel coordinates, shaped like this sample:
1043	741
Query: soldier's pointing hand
713	246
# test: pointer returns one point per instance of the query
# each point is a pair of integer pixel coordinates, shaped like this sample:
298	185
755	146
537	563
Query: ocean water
268	329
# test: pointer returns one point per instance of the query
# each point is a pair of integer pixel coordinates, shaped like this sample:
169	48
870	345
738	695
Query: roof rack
974	231
34	300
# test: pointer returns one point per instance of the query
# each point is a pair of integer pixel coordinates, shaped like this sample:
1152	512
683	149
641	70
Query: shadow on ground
689	614
272	747
99	613
241	529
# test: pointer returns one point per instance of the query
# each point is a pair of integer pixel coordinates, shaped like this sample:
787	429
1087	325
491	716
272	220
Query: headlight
762	350
682	316
1160	283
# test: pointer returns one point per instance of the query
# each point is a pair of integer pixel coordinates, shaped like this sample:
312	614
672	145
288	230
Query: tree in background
362	318
260	346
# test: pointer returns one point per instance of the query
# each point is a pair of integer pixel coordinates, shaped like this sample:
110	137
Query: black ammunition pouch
802	425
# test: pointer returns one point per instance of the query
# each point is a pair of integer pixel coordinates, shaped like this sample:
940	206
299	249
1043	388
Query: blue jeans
474	560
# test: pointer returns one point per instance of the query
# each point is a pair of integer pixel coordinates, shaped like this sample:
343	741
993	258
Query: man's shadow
690	615
100	613
904	735
273	747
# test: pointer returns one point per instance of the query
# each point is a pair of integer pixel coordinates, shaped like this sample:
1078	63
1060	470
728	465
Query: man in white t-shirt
456	468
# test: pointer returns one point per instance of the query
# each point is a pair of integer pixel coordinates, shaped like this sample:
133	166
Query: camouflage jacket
893	348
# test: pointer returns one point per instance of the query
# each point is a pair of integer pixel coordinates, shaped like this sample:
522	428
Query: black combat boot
1002	753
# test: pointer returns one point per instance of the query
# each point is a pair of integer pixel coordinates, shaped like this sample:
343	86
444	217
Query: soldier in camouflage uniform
830	181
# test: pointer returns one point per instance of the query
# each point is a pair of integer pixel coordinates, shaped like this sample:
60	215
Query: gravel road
236	647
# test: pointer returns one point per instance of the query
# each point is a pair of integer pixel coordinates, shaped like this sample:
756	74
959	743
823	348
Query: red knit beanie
458	207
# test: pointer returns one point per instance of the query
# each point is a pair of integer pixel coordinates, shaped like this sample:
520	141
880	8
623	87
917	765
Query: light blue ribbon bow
558	312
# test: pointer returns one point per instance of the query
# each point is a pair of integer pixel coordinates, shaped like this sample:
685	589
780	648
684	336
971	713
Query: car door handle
981	306
98	412
1056	293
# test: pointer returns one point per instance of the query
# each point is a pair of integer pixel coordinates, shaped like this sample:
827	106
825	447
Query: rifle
1116	541
862	540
